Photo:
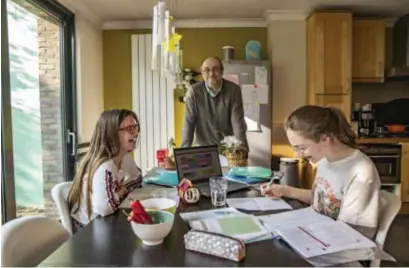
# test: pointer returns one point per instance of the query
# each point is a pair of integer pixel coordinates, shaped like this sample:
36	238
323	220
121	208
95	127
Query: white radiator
152	100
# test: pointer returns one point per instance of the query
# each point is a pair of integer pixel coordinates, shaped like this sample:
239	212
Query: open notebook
312	234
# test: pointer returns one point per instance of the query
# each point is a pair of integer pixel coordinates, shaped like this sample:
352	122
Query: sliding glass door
38	104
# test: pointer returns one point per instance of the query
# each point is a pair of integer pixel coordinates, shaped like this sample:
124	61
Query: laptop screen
197	163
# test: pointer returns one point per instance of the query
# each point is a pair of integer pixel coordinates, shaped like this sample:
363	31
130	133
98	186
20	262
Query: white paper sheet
252	111
324	238
292	218
255	94
258	204
261	75
209	214
252	116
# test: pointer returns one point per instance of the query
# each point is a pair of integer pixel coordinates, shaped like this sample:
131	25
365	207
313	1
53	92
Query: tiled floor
397	241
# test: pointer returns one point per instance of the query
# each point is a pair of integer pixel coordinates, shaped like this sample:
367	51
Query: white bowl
154	234
164	204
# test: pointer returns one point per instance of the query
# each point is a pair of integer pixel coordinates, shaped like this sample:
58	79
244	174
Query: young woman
107	173
347	184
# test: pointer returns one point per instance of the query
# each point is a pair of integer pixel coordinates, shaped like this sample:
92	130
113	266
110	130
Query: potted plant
234	150
170	159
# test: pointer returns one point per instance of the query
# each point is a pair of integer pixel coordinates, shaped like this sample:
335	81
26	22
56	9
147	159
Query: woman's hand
122	192
275	190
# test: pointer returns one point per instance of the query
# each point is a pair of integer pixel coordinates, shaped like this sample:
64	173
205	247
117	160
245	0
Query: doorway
39	101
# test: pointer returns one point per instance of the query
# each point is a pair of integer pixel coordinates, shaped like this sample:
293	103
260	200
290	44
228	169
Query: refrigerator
254	79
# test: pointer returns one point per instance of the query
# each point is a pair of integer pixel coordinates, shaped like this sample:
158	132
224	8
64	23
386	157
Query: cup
218	191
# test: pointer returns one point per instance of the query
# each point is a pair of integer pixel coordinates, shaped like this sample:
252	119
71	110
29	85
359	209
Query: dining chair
389	207
28	240
59	194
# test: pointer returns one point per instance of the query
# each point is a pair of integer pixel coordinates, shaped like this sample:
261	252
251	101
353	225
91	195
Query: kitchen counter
382	140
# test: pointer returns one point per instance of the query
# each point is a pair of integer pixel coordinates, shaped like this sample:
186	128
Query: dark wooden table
110	241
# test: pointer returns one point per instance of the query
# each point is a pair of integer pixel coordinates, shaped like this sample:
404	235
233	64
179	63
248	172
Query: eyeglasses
131	129
213	70
301	148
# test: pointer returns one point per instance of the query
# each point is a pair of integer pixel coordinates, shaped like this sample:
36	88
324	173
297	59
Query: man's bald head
212	59
212	72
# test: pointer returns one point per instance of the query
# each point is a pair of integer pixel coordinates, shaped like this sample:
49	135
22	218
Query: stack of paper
324	238
258	204
312	234
230	222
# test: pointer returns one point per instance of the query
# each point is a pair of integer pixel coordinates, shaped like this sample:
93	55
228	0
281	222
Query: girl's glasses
301	148
131	129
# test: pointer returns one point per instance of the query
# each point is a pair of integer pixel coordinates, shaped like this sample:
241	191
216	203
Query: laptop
198	164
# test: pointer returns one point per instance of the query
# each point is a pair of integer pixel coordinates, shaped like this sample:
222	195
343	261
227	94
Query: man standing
214	108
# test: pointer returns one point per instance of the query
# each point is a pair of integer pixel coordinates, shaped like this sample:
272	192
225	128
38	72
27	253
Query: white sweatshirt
106	183
348	190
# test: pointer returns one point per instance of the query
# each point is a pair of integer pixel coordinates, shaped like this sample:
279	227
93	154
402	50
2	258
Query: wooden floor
397	241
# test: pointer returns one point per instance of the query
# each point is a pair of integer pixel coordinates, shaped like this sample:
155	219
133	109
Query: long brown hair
104	145
312	122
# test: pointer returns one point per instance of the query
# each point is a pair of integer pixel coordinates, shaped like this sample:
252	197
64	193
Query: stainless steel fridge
259	131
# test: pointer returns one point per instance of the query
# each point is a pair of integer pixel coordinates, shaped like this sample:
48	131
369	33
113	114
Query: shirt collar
214	93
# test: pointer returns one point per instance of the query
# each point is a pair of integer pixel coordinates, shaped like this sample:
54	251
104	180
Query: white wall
287	53
90	92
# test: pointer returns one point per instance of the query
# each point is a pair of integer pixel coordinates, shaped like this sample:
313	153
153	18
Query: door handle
73	140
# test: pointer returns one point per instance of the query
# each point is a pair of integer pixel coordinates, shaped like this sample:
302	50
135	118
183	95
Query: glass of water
218	191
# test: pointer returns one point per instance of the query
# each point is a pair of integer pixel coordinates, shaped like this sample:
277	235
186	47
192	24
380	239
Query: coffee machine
366	121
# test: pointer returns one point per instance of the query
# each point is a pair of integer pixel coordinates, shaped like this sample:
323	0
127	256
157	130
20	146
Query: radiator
152	101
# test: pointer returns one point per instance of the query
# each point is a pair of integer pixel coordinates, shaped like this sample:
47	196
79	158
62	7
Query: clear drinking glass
218	191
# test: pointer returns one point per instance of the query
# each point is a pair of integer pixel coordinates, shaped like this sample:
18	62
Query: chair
59	194
28	240
389	207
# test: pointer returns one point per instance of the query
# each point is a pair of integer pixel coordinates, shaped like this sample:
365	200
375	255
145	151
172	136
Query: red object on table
161	154
139	214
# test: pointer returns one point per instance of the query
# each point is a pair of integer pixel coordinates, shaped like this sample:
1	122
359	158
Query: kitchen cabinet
329	52
405	172
368	50
342	102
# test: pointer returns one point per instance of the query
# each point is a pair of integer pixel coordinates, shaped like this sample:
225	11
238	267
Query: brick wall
50	93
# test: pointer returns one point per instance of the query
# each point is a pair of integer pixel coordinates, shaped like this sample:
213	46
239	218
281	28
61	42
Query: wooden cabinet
329	45
405	173
342	102
368	50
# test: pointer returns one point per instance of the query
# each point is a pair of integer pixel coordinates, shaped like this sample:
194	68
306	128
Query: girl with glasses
347	184
107	173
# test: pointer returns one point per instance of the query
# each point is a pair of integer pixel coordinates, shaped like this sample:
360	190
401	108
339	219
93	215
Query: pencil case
215	244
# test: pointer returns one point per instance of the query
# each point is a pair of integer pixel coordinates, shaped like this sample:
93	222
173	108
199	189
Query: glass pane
34	47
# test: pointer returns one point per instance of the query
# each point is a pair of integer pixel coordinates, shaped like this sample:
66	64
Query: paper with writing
258	204
255	94
261	75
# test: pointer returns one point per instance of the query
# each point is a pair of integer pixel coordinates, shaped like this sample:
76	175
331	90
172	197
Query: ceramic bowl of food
163	204
154	234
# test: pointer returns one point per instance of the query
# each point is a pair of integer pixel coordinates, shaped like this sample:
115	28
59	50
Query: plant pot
236	159
169	164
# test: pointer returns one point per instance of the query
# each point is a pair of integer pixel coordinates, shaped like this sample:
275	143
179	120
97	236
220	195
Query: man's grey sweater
209	119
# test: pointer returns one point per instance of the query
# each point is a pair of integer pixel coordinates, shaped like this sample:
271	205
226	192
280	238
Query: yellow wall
196	44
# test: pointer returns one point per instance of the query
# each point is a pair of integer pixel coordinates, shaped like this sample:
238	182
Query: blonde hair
312	122
104	145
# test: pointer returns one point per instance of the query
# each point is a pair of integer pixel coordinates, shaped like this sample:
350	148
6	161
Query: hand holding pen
273	188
